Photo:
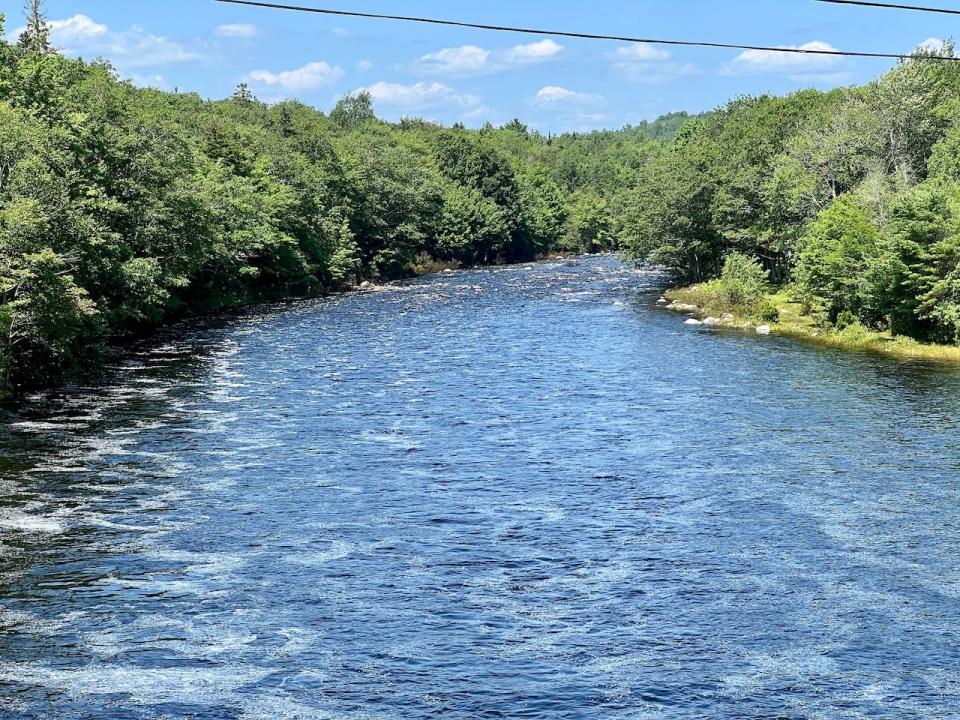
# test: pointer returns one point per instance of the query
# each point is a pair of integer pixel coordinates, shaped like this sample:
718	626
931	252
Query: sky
453	75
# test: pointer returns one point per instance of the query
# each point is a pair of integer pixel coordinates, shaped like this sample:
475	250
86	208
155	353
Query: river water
508	493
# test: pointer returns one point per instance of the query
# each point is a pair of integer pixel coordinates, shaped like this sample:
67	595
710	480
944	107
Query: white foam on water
337	551
45	426
273	706
31	522
144	686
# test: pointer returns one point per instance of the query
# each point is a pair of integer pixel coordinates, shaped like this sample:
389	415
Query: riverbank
115	345
792	322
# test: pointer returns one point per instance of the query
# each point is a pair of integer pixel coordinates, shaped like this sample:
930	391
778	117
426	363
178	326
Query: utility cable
892	6
585	36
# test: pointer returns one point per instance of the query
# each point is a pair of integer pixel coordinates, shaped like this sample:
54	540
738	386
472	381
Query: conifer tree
36	37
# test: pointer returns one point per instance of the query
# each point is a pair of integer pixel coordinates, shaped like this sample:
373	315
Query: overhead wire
893	6
582	35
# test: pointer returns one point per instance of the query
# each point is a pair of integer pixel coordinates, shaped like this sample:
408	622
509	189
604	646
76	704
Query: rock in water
662	301
763	330
692	321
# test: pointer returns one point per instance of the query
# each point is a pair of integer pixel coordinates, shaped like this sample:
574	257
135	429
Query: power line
585	36
892	6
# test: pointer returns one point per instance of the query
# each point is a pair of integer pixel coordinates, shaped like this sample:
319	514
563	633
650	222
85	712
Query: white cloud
768	61
77	29
469	60
310	77
553	95
934	45
340	32
364	66
455	61
80	35
641	52
645	63
532	52
421	95
241	31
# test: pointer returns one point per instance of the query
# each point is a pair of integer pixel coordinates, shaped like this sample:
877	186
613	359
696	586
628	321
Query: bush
845	319
743	280
769	312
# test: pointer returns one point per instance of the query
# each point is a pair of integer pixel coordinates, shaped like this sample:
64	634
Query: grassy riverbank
793	322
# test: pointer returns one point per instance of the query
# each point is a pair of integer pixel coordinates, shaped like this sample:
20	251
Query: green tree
837	253
353	111
590	227
36	36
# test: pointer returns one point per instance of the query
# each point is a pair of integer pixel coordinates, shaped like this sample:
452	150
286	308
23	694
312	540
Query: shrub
743	280
845	319
769	312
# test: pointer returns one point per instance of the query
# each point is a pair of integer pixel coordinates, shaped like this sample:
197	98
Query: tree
244	94
353	111
473	228
36	36
590	226
544	207
838	250
43	317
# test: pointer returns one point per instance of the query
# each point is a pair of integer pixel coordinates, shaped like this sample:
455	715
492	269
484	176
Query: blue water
509	493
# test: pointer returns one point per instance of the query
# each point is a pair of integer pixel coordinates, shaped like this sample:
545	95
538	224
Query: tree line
850	197
123	207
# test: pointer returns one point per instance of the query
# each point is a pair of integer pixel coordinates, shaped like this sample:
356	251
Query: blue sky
456	75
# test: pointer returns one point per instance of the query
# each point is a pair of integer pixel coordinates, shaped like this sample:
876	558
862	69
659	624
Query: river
522	492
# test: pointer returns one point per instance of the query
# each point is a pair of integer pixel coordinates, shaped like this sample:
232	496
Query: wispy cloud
648	64
468	60
642	53
935	45
554	95
240	31
80	35
421	96
309	77
807	69
532	52
787	63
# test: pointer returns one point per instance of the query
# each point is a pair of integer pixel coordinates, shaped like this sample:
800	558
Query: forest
849	199
122	208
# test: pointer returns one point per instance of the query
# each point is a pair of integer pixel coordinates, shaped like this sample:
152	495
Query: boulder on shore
728	318
711	321
763	330
366	285
682	307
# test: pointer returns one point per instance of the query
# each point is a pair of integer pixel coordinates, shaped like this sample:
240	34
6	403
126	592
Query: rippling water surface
520	492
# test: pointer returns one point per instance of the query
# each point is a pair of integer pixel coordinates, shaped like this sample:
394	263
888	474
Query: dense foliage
122	207
852	196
